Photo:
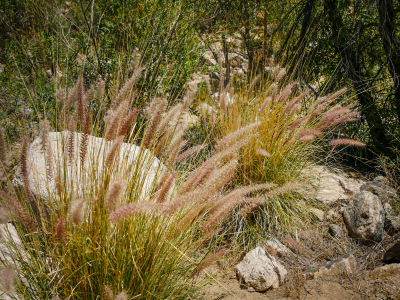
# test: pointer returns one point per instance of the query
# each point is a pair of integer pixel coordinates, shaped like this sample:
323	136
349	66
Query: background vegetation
325	45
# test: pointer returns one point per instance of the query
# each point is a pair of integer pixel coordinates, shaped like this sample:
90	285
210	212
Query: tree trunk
387	31
347	53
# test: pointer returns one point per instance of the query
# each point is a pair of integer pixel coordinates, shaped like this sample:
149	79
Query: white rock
260	270
365	217
228	99
130	161
331	187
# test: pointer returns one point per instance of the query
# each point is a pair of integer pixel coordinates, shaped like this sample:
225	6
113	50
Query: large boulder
260	270
364	217
129	160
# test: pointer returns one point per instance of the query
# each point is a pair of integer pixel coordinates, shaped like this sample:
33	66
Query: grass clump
101	216
289	129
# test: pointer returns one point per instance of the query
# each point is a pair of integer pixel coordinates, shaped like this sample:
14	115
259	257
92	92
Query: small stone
332	215
260	270
392	255
277	246
343	264
318	213
335	230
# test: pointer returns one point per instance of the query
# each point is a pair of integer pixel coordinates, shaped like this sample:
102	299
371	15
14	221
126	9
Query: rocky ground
352	252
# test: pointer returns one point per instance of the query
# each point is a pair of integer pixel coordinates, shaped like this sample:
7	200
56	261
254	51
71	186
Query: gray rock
364	217
392	255
260	270
380	187
344	264
335	230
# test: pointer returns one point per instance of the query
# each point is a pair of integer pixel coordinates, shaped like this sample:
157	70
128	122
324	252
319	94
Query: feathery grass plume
73	95
253	202
59	182
77	211
18	212
349	142
265	104
228	202
176	144
191	92
314	132
114	149
263	152
174	114
100	89
25	169
336	111
44	134
127	122
71	142
59	230
208	261
228	139
213	117
4	216
253	83
166	187
114	119
7	279
350	117
285	93
296	123
199	174
89	94
289	107
85	136
281	73
189	152
60	95
126	89
274	88
122	296
307	138
80	100
45	147
114	193
124	212
108	293
328	100
221	176
159	106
